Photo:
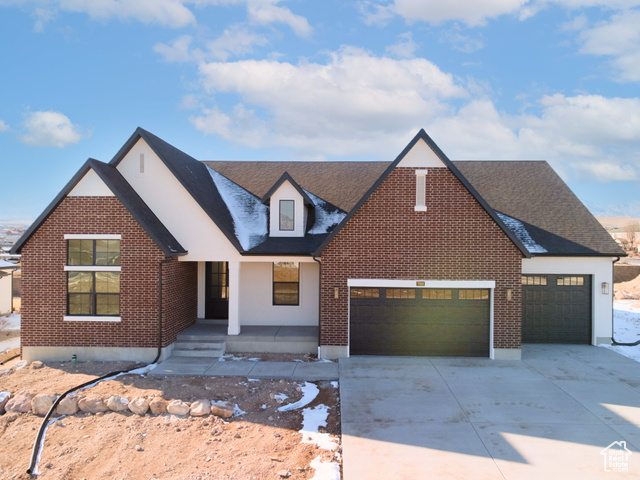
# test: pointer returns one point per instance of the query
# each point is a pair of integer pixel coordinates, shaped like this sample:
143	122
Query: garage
420	321
556	309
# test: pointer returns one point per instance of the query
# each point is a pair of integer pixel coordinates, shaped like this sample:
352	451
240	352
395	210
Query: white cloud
618	37
355	103
50	129
473	13
179	50
266	12
405	48
235	40
168	13
3	127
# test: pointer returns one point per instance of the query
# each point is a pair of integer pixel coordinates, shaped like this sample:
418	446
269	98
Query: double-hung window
286	283
93	277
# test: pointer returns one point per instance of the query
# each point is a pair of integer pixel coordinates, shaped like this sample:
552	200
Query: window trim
293	223
89	268
273	286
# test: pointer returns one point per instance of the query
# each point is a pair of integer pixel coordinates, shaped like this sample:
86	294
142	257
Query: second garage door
419	321
556	309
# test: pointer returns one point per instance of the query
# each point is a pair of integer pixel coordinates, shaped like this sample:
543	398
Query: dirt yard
262	443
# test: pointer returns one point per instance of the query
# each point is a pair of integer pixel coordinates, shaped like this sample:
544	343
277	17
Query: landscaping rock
178	407
4	398
20	403
37	364
139	406
20	364
200	408
92	404
68	405
222	409
158	405
41	404
116	403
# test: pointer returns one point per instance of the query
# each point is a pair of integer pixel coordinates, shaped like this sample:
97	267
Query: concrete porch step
201	337
212	321
178	352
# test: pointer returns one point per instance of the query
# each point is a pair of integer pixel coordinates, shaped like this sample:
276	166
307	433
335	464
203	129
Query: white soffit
421	156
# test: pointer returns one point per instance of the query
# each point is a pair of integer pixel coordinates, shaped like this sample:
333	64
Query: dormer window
287	215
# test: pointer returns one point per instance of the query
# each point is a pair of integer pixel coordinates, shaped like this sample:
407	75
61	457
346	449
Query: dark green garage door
556	309
417	321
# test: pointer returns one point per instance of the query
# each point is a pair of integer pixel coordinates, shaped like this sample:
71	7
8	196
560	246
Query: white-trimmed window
93	277
421	191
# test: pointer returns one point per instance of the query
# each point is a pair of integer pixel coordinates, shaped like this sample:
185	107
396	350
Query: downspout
31	471
613	327
319	298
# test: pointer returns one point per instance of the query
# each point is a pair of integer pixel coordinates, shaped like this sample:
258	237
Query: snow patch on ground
521	232
280	396
248	212
13	322
309	393
325	471
327	215
626	320
237	411
312	420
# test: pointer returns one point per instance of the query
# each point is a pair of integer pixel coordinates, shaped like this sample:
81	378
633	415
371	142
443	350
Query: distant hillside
613	222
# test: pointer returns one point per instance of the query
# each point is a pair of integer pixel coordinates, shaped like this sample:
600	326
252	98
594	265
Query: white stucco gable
91	185
174	206
421	156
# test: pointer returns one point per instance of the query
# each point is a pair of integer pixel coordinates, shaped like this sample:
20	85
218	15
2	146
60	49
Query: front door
216	303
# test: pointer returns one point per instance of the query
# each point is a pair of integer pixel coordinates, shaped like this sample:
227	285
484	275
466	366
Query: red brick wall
44	284
455	239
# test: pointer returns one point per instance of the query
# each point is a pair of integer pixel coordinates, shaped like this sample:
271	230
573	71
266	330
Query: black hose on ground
10	358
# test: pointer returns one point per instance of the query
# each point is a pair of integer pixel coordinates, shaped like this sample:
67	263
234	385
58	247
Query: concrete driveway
550	415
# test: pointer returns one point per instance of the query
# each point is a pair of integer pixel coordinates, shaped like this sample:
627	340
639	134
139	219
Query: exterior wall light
605	288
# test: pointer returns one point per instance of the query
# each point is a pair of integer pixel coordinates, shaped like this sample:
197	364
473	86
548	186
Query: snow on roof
247	211
327	215
519	230
5	264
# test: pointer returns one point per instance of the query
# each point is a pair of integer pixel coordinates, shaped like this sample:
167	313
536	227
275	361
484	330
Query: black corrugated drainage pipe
319	298
35	454
10	358
613	326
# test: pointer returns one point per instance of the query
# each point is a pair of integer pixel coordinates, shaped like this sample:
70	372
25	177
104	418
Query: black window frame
293	216
93	252
93	295
275	284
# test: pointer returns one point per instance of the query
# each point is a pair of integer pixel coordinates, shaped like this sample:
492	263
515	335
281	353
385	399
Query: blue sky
556	80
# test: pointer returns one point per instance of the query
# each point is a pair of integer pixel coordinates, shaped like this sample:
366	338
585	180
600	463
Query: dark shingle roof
339	183
127	196
532	192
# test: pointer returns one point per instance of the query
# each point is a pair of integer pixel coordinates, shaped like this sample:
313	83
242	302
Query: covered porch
210	338
259	300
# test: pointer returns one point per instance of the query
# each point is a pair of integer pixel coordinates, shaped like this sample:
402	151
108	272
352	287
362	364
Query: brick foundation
455	239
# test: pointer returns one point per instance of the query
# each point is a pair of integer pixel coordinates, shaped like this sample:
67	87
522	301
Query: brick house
420	256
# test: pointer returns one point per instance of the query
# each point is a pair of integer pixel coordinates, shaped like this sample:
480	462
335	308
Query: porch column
234	298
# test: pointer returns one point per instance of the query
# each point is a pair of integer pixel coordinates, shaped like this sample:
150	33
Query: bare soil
628	290
259	444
